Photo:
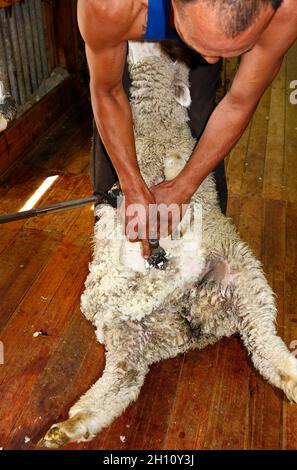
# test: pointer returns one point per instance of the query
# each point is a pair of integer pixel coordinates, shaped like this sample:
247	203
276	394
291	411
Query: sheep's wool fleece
114	291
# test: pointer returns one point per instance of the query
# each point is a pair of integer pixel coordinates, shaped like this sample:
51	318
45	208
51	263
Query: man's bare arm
106	55
105	35
257	70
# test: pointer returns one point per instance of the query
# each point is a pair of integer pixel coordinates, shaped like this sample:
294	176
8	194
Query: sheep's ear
182	94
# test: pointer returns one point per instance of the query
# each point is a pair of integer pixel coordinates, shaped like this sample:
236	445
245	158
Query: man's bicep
106	65
105	47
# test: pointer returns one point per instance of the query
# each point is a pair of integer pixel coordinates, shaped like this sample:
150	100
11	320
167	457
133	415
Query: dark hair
236	15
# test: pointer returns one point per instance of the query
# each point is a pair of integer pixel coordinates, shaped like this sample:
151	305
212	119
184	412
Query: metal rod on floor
62	206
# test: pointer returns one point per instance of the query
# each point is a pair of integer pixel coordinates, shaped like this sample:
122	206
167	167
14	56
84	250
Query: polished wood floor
210	399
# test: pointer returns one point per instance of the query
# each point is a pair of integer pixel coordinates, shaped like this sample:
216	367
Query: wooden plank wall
27	130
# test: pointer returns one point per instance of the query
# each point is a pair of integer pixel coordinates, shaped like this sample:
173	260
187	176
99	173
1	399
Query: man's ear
182	94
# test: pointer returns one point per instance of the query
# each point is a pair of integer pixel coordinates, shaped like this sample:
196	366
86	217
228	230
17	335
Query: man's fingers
146	250
132	233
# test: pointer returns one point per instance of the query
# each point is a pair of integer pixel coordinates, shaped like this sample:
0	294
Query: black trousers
204	80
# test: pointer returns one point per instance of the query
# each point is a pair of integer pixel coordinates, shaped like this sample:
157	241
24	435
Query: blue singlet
158	22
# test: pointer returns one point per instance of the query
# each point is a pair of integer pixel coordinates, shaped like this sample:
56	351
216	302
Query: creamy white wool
116	291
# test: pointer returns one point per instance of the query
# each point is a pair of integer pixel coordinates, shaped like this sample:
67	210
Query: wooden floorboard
210	399
190	417
24	364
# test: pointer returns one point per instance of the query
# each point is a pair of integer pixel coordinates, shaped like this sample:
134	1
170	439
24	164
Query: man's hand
135	213
172	202
153	213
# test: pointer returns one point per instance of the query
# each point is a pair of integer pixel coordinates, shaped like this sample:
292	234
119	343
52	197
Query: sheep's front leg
105	401
119	385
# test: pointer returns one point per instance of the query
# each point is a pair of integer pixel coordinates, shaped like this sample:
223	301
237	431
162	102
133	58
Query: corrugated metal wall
23	55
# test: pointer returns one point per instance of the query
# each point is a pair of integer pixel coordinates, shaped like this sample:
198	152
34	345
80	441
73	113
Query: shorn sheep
212	286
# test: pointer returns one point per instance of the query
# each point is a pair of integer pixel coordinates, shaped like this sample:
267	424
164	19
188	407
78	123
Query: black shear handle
158	258
154	244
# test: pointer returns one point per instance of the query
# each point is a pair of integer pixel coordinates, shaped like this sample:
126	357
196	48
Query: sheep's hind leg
257	312
269	353
119	385
241	300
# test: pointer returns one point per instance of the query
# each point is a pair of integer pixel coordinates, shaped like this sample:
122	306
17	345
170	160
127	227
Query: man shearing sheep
260	31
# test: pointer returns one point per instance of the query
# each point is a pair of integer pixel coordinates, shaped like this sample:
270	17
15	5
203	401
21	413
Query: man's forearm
113	118
224	129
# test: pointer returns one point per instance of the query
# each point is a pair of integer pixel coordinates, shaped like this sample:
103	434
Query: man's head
222	28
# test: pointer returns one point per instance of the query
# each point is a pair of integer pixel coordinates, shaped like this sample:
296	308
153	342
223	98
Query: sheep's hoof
54	438
290	388
73	429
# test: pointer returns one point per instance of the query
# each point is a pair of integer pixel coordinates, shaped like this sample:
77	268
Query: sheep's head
140	51
160	96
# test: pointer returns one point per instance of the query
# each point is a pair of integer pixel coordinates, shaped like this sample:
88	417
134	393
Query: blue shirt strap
158	20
